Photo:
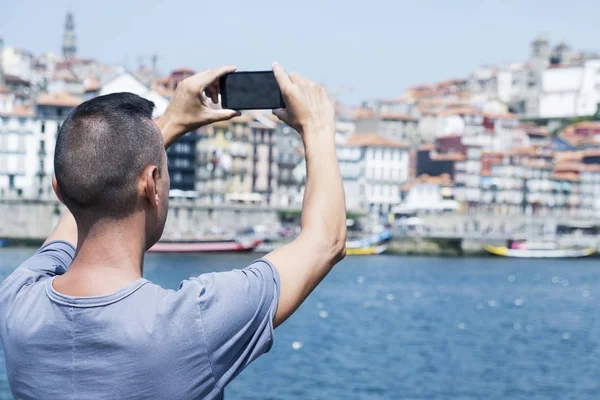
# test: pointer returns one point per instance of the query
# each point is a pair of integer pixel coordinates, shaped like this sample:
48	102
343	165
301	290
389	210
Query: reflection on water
420	328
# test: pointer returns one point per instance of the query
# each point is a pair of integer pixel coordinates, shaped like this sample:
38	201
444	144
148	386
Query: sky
358	49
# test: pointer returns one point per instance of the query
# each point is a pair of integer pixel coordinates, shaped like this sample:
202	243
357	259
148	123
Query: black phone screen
256	90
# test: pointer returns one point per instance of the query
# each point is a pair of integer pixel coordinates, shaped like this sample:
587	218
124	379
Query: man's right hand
308	108
189	108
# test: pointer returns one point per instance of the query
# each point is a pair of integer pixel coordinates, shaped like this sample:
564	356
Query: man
77	319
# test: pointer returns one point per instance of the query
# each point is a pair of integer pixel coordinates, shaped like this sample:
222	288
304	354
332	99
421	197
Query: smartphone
250	90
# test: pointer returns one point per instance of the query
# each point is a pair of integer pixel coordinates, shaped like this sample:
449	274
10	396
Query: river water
388	327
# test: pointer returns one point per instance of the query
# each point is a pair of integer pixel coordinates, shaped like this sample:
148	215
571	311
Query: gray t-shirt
142	342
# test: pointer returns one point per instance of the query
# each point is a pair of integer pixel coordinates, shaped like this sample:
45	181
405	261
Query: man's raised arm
303	263
187	111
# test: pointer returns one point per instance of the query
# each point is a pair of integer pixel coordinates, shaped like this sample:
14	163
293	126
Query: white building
570	91
428	194
127	82
372	167
385	165
17	154
51	111
17	62
553	83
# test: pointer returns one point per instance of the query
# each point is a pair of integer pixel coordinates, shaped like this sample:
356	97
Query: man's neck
109	257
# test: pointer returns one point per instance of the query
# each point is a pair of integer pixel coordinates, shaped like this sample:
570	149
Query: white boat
521	249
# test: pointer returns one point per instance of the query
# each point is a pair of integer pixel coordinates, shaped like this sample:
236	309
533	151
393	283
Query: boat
205	246
372	244
366	251
522	249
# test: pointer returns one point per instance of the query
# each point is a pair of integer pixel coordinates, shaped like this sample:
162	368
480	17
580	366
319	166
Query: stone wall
29	219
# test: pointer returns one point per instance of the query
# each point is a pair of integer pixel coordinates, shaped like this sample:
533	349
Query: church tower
69	48
2	83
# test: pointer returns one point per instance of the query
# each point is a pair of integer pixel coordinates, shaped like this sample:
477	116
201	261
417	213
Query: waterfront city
508	151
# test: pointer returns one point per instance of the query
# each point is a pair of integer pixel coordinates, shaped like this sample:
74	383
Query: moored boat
205	246
520	249
367	251
372	244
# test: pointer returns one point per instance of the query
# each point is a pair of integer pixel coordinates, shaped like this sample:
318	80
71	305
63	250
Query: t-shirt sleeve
51	259
237	310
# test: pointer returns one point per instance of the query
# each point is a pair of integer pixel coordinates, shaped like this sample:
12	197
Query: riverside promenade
446	234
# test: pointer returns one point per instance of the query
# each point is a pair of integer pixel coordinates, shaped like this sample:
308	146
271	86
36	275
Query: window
11	181
43	129
22	121
59	112
21	143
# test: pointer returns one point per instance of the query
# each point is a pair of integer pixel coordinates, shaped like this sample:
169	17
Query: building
51	109
69	47
181	161
237	161
290	152
569	90
66	81
127	82
396	120
17	154
2	81
265	169
384	168
427	194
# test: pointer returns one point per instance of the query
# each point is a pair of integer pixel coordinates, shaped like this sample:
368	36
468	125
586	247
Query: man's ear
57	189
150	181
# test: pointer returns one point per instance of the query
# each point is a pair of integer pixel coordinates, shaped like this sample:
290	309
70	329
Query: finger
201	81
283	80
211	92
280	113
215	74
223	115
214	96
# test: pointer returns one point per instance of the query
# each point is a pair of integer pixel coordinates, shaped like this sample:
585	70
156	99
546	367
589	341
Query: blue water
420	328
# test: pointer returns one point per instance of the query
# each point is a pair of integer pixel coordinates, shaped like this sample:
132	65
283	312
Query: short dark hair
101	149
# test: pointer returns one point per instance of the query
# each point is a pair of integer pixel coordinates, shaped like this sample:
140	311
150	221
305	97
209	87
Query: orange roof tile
58	99
449	157
397	117
443	179
524	150
91	84
372	140
19	111
591	152
567	167
65	75
565	176
362	113
569	130
500	116
568	155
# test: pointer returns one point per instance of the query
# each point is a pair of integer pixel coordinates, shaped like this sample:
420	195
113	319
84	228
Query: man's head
110	163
